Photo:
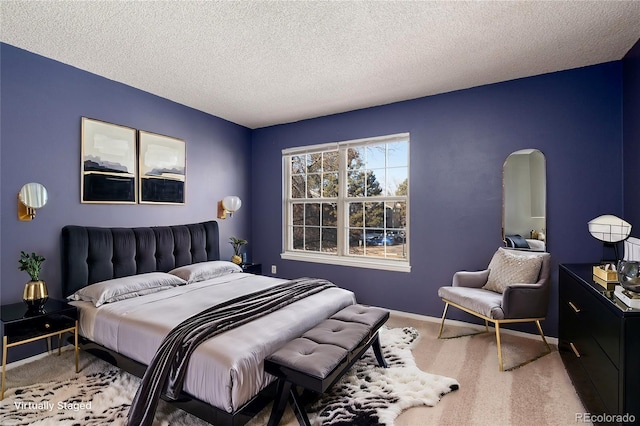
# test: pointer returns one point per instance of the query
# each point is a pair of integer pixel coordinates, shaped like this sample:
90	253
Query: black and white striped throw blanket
166	372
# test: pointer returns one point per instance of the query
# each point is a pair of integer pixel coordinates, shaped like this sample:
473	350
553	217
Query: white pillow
126	287
205	270
508	267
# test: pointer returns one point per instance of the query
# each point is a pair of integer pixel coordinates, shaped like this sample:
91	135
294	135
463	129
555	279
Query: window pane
356	241
396	214
356	214
314	163
313	186
312	214
298	164
330	185
298	186
298	214
329	214
397	154
355	158
376	156
375	183
374	215
356	184
298	237
312	238
329	240
397	179
330	161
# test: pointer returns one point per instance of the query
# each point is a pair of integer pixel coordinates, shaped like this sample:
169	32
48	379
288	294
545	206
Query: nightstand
252	268
57	317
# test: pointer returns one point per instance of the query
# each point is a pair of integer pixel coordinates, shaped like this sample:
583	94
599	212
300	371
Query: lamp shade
231	203
609	228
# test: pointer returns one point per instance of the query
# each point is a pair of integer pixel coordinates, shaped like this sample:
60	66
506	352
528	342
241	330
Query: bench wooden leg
298	407
377	350
280	403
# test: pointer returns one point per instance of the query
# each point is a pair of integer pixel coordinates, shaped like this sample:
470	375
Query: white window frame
342	257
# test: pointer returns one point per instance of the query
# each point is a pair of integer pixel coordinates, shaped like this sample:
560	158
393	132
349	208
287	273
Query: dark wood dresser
599	341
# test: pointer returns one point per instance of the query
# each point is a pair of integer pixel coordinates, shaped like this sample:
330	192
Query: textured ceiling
260	63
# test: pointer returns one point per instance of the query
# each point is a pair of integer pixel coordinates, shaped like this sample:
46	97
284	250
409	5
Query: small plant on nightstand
35	291
237	244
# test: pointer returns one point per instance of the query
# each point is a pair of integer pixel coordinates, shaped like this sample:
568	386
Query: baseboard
550	340
37	357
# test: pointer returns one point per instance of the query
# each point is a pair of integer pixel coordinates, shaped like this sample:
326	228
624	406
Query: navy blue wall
459	142
42	102
631	134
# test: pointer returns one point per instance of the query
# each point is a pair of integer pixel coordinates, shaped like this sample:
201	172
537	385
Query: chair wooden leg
497	324
486	326
444	314
542	335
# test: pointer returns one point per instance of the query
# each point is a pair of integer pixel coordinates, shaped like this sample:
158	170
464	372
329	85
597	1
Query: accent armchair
514	289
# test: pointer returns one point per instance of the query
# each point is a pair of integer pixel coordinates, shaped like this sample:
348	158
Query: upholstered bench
322	355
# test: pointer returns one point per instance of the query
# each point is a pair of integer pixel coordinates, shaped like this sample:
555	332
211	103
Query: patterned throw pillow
508	267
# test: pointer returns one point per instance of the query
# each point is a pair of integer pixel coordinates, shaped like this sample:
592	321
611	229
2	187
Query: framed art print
162	169
108	163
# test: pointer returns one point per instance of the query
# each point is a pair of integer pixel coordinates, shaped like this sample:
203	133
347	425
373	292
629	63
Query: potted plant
35	291
237	244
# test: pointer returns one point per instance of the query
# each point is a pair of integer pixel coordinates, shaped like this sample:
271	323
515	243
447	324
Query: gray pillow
126	287
205	270
508	267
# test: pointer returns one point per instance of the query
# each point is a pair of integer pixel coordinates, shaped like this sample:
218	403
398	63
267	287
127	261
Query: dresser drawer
578	346
593	316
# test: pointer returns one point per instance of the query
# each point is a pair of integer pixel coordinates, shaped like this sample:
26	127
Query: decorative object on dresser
513	289
610	230
32	196
22	326
599	344
35	291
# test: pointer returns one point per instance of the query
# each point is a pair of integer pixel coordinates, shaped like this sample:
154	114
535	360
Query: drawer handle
575	308
575	351
47	326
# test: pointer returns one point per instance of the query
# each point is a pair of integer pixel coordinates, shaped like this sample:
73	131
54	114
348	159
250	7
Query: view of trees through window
373	200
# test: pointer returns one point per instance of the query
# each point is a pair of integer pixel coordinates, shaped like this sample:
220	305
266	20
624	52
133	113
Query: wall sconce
229	204
32	196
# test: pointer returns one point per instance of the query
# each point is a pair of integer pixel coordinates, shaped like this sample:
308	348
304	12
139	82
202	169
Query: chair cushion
484	302
509	267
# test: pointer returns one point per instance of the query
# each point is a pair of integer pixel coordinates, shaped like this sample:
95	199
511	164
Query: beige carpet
535	394
538	393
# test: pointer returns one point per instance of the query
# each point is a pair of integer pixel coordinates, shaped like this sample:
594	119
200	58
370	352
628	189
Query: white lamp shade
609	228
231	203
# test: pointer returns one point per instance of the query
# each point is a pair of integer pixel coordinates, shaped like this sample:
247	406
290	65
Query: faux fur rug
99	394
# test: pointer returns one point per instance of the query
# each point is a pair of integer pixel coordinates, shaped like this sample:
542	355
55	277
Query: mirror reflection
524	202
33	195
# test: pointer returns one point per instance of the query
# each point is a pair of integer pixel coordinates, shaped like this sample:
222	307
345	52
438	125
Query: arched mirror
524	200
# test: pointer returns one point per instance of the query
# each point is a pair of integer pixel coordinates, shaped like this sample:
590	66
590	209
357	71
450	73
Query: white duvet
227	370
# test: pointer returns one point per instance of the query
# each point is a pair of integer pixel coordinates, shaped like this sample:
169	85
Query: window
347	203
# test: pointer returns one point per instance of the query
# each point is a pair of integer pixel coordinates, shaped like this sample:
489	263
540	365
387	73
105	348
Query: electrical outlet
274	269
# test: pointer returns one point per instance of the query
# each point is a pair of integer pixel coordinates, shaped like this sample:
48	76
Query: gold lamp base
35	296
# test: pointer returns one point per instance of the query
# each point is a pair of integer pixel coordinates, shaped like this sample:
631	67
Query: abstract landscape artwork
108	163
162	169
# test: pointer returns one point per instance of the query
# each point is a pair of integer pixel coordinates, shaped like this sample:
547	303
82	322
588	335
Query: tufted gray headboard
93	254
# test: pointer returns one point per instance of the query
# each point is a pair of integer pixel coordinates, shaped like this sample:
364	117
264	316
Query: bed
225	381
